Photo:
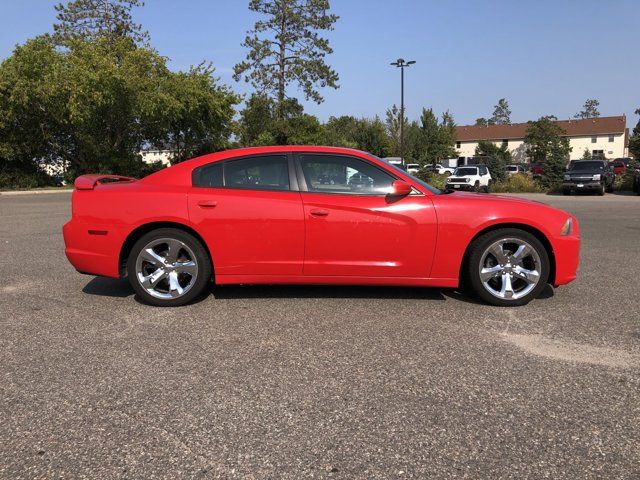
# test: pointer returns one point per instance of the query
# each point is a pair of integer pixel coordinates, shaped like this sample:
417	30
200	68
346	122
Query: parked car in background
474	178
413	168
588	176
619	165
264	216
636	182
515	168
440	169
537	169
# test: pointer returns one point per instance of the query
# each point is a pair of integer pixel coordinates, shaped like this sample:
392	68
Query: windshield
586	166
462	171
433	190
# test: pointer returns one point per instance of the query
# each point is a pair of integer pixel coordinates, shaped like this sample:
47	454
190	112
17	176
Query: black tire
566	191
203	262
601	190
486	189
609	188
476	251
476	186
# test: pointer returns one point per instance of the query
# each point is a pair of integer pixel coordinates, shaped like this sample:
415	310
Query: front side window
345	175
263	172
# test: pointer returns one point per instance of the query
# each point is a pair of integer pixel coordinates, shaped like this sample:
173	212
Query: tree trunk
281	62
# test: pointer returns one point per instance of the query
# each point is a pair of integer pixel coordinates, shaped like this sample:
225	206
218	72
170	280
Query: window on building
457	145
610	138
597	154
594	139
505	142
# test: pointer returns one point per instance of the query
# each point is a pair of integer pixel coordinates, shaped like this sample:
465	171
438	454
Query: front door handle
207	203
319	212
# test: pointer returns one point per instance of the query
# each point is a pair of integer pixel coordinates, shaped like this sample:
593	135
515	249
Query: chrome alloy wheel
510	268
166	268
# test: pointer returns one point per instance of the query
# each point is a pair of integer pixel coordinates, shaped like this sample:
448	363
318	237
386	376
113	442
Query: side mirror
400	188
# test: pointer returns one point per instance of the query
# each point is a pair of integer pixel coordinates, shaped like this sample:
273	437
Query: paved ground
298	382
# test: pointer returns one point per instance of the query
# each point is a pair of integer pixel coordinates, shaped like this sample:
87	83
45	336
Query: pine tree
285	47
93	19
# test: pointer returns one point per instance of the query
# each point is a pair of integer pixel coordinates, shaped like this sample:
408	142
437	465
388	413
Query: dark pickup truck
588	176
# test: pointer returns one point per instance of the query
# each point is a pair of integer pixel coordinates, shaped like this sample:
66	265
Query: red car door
250	218
354	228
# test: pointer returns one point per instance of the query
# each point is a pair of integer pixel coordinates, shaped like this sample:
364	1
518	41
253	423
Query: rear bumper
92	249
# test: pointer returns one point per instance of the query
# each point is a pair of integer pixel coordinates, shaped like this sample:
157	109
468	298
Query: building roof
574	128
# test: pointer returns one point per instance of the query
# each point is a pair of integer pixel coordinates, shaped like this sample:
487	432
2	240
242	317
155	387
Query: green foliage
518	183
499	158
95	105
432	178
430	141
589	109
89	20
392	127
546	143
625	182
586	155
362	133
501	113
483	122
634	140
259	124
285	47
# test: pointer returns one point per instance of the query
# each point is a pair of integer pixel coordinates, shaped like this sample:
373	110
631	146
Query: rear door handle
319	212
207	203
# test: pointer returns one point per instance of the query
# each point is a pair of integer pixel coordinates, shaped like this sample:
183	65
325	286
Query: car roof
181	172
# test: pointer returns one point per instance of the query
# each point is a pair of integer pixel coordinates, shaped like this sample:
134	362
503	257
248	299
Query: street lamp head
411	62
402	63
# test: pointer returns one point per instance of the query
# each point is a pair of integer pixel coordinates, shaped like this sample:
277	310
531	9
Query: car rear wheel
566	191
508	267
168	268
609	188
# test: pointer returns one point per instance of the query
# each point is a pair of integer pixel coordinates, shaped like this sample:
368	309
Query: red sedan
311	215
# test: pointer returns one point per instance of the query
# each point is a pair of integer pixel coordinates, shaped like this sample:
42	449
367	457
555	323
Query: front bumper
587	186
459	186
566	252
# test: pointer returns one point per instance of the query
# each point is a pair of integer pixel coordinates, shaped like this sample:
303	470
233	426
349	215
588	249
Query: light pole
401	64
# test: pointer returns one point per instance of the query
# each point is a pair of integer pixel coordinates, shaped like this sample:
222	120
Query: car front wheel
168	268
508	267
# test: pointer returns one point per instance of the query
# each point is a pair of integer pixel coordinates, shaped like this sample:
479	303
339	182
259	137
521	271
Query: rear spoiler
89	182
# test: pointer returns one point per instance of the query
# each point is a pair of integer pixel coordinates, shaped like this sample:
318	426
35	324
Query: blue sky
545	57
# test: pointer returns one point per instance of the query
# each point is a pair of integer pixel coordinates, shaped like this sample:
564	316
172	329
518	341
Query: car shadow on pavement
108	287
325	291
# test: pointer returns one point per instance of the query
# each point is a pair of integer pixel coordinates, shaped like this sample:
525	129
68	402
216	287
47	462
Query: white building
603	136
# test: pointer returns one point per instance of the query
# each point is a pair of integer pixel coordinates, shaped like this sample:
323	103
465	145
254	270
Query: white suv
470	177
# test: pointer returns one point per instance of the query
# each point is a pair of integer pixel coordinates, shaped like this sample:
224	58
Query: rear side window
263	172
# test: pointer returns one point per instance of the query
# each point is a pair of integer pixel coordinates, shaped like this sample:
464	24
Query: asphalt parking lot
335	382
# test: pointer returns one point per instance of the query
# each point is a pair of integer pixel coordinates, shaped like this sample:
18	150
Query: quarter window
262	172
345	175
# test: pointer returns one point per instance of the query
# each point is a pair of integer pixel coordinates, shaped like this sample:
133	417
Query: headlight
596	176
467	180
567	177
567	227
